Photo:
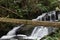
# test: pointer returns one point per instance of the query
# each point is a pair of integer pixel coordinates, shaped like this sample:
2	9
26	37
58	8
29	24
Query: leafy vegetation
27	9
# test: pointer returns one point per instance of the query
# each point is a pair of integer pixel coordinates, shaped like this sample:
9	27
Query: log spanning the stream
30	22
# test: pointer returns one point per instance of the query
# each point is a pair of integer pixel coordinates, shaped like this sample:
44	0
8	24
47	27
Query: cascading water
53	15
39	18
39	31
11	33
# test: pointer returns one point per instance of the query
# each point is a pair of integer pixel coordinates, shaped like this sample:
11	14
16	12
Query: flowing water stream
39	31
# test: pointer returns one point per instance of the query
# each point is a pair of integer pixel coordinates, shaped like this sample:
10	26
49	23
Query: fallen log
30	22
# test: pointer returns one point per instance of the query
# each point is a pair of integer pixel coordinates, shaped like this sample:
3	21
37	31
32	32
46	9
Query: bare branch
9	10
30	22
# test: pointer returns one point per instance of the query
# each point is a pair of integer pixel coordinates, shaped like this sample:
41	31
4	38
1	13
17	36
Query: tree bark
30	22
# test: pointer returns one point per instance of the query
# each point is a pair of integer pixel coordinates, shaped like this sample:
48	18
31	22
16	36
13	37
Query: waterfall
41	31
39	18
11	33
38	30
54	15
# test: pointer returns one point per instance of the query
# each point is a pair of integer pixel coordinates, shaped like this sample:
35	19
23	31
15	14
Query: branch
9	10
30	22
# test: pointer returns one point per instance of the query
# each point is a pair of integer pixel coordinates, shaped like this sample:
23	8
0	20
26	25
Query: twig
9	10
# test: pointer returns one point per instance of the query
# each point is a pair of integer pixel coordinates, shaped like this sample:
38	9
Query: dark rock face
57	13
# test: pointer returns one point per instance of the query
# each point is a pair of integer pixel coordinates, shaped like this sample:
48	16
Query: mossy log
30	22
